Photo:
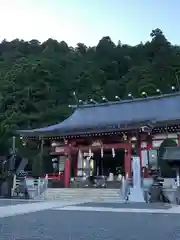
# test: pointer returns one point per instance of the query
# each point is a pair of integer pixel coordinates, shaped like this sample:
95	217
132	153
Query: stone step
85	199
83	190
83	194
80	194
75	197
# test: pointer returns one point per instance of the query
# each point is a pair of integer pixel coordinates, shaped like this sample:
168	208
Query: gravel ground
67	225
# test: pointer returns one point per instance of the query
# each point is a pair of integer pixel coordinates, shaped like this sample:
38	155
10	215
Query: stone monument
136	191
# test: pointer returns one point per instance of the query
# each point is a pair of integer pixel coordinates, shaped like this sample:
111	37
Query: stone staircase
83	194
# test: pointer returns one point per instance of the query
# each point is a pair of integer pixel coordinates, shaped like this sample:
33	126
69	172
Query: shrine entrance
106	164
107	160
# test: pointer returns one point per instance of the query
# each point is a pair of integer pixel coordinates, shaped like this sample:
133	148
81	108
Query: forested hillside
37	80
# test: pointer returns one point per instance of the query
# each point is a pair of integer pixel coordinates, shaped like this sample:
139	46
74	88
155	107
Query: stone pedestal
136	192
136	195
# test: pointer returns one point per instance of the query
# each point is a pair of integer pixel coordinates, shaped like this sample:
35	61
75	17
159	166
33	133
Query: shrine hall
100	139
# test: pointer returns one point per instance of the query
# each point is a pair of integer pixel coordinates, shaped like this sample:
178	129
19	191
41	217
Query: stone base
136	195
55	184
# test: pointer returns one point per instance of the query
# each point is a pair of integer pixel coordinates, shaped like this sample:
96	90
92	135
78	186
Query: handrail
41	188
35	187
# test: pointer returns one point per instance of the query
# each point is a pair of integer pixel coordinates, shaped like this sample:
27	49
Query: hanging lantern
133	139
102	152
53	144
113	152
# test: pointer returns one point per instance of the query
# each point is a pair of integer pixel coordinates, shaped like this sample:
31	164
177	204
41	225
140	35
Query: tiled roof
111	115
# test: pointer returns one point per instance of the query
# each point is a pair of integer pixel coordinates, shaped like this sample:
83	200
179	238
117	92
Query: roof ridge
130	100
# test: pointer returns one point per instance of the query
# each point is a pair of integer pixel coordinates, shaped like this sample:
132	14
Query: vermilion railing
51	176
56	176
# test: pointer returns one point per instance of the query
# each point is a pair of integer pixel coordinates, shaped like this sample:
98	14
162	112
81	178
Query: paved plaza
10	202
28	220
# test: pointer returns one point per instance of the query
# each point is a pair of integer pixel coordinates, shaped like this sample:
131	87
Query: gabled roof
115	115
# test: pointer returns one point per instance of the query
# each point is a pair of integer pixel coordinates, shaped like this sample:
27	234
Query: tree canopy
38	79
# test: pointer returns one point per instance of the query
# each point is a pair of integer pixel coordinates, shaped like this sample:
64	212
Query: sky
87	21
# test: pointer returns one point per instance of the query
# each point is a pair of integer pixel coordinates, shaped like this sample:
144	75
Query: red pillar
67	171
139	153
76	165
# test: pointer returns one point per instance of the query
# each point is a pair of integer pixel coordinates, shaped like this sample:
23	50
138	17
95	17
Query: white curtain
80	163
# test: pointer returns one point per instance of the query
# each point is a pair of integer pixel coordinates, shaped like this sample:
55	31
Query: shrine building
101	138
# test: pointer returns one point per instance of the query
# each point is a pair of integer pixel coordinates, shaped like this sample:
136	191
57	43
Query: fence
34	187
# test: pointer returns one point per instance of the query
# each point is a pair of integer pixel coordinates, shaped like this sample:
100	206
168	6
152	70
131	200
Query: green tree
37	79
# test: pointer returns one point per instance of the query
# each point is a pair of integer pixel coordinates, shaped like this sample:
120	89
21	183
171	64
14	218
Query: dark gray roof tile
154	109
